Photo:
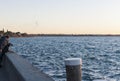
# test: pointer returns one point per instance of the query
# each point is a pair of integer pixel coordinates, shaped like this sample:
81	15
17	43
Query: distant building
18	34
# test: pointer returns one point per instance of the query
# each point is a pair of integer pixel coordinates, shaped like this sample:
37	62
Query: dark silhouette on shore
19	34
13	34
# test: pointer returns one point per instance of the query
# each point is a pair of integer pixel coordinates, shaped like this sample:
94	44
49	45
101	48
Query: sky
61	16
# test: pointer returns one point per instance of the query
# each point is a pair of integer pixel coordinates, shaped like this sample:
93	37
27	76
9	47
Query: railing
19	69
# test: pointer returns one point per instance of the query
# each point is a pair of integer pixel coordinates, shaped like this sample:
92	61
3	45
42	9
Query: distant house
18	34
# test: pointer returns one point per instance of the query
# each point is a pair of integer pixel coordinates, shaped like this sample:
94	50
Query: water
100	55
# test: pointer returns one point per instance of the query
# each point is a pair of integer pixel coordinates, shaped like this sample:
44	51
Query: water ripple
101	55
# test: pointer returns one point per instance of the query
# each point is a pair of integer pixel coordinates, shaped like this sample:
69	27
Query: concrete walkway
3	75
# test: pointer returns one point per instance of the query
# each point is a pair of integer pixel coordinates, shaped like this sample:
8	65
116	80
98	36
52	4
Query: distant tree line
13	34
19	34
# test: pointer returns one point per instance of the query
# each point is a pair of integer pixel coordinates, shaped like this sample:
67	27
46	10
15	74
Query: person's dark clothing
3	42
4	46
5	50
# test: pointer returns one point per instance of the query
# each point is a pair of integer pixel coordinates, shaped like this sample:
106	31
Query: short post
73	69
99	80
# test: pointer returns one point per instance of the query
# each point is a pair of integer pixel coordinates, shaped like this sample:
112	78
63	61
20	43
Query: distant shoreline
32	35
19	34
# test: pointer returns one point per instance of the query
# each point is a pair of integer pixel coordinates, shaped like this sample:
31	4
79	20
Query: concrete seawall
19	69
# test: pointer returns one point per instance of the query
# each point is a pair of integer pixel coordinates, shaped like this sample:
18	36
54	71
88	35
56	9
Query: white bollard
73	69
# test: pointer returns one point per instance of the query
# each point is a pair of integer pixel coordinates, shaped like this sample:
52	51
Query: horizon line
79	34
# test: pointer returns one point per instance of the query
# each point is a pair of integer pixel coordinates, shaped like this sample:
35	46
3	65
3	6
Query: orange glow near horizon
61	17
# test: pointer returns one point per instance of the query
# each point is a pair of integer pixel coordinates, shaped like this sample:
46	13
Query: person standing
4	44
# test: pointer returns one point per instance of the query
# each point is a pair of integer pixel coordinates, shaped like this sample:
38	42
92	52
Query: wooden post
73	69
99	80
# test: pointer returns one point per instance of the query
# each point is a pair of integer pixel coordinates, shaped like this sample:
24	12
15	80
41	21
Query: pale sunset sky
61	16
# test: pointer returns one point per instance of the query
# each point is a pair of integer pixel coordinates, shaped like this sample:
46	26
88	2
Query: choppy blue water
100	55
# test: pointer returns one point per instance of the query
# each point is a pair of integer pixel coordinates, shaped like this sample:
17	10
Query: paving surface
3	75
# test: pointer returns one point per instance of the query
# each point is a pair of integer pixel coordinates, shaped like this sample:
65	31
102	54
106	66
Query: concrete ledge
19	69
